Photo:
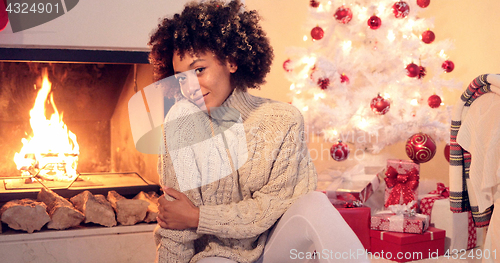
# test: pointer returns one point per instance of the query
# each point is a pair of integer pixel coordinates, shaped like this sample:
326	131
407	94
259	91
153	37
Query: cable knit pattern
237	211
474	151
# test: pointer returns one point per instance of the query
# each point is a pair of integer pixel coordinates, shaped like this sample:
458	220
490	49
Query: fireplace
93	100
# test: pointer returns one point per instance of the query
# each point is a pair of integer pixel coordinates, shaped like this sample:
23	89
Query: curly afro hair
222	28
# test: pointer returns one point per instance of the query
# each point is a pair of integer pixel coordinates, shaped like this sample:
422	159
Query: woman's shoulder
185	116
282	110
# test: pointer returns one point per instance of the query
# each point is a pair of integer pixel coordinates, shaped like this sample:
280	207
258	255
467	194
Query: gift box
358	218
437	205
401	182
406	221
403	247
354	184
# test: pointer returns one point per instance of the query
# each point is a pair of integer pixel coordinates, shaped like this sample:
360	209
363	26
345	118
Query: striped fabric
460	160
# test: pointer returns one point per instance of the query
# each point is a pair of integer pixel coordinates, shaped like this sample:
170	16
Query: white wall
93	24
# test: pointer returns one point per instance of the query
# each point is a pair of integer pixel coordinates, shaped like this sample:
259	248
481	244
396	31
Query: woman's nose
191	86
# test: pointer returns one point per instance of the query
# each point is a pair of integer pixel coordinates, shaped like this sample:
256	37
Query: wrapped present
353	184
437	205
357	217
400	218
426	202
403	247
401	182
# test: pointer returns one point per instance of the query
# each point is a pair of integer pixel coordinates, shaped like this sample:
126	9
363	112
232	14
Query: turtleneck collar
239	103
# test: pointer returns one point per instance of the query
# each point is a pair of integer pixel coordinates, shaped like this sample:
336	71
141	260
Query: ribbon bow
441	190
405	209
401	184
399	214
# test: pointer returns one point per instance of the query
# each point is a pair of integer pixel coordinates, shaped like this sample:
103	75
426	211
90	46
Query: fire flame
52	150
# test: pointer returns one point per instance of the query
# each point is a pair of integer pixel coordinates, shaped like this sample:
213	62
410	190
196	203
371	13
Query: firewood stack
95	208
152	199
30	215
25	214
128	211
62	213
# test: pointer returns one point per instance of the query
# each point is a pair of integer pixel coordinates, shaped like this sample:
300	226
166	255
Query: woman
233	163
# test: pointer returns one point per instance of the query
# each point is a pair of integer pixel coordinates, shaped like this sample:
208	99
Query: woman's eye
199	70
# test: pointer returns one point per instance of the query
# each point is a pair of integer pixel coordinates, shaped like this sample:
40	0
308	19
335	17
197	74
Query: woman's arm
292	175
174	245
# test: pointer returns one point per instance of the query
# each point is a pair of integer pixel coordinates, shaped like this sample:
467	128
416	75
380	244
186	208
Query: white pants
311	223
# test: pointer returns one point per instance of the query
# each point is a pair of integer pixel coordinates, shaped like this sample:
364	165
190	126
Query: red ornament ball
412	70
317	33
4	16
448	66
422	72
339	151
323	83
314	3
428	37
379	105
420	148
401	9
423	3
344	78
343	14
434	101
374	22
286	65
447	152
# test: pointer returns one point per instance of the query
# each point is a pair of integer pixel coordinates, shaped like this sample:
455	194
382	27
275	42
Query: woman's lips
200	101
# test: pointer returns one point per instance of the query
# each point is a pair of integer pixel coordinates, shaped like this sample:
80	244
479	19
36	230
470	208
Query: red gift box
389	221
356	184
358	218
401	182
403	247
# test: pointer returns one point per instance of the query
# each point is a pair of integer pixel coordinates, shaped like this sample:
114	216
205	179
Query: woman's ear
231	65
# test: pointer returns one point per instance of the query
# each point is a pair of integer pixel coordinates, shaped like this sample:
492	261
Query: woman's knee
311	202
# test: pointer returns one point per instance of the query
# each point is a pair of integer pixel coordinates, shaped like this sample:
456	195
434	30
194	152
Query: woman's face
212	84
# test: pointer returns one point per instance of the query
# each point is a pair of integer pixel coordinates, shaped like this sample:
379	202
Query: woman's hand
178	214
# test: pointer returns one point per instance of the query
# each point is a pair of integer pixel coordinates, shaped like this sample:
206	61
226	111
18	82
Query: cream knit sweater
237	211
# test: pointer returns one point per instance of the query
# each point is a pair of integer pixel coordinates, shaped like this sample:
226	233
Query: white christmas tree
373	75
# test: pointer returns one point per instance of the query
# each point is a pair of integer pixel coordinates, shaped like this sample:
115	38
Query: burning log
95	208
25	214
152	199
62	213
128	211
